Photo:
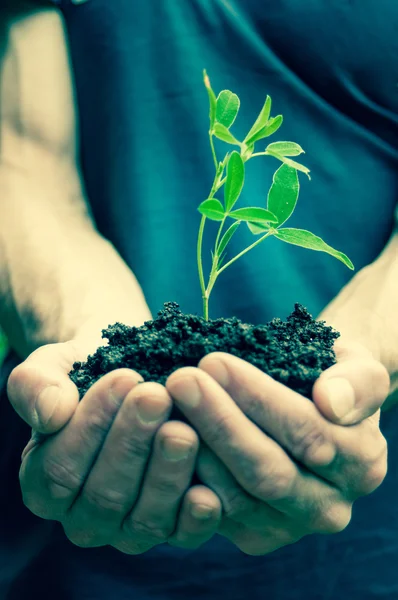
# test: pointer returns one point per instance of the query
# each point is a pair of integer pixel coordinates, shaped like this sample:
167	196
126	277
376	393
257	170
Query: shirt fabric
330	69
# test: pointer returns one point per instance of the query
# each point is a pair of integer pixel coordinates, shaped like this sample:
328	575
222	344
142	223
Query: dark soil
294	352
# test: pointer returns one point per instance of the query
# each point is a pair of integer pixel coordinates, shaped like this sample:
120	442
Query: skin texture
271	491
45	231
118	473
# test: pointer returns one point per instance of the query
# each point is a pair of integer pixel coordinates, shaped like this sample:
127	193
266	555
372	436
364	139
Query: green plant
230	175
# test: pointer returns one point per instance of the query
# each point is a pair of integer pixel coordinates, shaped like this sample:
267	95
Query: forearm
59	277
366	310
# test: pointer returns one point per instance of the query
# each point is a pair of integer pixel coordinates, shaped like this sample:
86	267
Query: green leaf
222	133
213	209
285	148
257	228
260	122
212	100
254	214
283	193
235	180
306	239
291	163
227	108
226	238
272	126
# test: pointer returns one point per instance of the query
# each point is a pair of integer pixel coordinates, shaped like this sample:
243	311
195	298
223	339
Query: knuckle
219	429
165	486
374	476
79	537
148	531
381	381
186	541
272	483
308	442
97	423
60	480
131	547
332	519
135	447
370	463
235	504
106	500
261	545
37	505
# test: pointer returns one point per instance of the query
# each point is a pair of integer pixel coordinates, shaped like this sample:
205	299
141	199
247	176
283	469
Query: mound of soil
294	352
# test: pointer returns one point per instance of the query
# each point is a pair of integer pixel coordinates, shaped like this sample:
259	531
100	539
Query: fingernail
201	511
341	396
186	391
151	411
176	449
219	372
121	386
46	404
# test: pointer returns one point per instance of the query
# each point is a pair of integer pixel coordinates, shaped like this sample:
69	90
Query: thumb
40	389
354	388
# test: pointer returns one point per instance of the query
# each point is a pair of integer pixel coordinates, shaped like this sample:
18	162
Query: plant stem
219	234
214	188
199	256
213	151
260	154
256	243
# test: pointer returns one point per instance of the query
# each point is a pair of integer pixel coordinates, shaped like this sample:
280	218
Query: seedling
230	175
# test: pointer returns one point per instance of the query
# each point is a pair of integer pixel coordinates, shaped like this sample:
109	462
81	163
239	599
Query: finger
257	462
353	459
114	482
311	508
169	473
289	418
199	518
354	388
40	389
237	504
258	543
54	472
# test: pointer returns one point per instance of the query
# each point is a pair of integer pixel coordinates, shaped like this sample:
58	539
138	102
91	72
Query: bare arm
59	278
366	311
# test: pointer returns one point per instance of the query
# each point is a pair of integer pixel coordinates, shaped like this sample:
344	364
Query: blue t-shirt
331	70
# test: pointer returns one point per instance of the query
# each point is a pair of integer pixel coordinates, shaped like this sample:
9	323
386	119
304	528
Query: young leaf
226	238
306	239
212	100
270	128
235	180
291	163
222	133
285	148
246	151
254	214
257	228
212	208
283	193
227	108
260	122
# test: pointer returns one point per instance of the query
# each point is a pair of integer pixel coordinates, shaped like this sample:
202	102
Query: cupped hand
284	466
110	468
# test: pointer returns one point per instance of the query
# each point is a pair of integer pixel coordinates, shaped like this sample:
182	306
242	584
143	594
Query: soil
294	352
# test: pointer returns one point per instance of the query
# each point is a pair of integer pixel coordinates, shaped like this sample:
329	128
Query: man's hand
281	469
109	468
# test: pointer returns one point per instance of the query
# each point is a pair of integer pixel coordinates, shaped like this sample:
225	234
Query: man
111	145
